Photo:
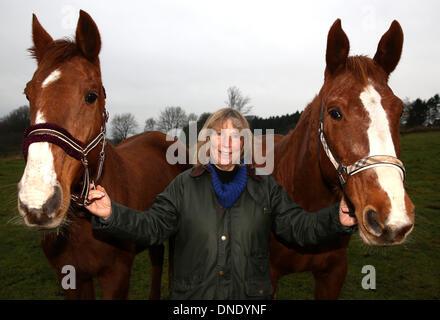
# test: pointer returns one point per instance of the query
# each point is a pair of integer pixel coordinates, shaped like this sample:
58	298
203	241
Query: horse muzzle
43	215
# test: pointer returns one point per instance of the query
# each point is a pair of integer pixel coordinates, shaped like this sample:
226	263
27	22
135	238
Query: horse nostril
53	203
37	216
44	214
371	216
401	232
405	230
23	207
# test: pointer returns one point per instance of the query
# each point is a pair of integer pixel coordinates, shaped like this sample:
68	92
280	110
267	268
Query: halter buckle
342	170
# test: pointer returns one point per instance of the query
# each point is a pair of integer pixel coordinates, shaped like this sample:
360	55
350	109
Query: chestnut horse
67	102
359	116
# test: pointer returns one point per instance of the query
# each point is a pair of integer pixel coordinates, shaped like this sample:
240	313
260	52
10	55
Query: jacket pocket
259	289
184	288
258	266
257	283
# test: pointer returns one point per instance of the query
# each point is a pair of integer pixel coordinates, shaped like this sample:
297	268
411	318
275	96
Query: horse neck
297	164
119	172
113	165
113	168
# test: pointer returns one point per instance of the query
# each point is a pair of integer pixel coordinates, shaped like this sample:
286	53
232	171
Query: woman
221	214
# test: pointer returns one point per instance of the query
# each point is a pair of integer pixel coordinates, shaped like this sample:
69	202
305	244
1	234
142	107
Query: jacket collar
198	171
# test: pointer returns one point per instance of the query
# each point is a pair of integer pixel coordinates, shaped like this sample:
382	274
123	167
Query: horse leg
328	282
84	290
156	256
115	281
80	287
274	278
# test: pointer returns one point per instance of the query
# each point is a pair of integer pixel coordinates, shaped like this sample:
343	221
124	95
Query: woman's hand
100	202
344	217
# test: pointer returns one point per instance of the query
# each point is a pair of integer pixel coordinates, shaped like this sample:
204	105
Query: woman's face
226	146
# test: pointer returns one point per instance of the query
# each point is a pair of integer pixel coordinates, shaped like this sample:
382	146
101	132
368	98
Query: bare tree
150	124
171	118
123	125
237	101
191	117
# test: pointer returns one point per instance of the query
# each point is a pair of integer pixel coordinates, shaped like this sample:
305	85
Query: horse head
359	120
66	98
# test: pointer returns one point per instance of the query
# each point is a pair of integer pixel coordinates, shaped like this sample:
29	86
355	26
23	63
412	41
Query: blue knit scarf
229	193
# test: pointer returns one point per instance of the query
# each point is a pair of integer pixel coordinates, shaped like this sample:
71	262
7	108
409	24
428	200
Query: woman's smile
226	145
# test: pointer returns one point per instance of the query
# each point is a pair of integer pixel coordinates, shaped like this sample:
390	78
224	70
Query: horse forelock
362	68
60	51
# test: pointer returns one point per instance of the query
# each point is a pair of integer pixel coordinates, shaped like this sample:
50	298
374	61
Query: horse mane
362	67
59	50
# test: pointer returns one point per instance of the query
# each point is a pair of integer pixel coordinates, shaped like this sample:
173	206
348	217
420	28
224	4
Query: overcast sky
187	53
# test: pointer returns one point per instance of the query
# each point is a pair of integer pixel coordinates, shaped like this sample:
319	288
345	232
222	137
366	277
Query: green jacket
222	253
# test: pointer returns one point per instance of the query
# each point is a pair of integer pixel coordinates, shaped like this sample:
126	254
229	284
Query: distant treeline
280	124
421	113
12	127
418	115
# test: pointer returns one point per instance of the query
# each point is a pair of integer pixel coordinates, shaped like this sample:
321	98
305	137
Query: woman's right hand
100	202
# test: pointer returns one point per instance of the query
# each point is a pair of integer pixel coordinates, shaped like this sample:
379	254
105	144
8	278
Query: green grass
409	271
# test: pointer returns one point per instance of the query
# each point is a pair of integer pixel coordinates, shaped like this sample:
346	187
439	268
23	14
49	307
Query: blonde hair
215	121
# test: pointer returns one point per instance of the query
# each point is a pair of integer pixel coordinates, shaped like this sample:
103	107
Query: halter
345	172
52	133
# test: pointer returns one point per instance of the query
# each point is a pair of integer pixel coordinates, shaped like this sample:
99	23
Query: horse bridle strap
52	133
344	172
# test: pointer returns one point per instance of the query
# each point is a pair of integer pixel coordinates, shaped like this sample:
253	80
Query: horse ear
338	47
389	48
41	39
87	36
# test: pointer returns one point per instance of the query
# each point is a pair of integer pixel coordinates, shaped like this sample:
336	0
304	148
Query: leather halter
52	133
345	172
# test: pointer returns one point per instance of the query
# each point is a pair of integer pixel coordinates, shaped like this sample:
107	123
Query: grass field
409	271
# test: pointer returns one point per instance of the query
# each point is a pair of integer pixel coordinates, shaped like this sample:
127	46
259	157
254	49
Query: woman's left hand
344	217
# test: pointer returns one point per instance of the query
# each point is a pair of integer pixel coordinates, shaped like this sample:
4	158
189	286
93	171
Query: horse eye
90	97
335	114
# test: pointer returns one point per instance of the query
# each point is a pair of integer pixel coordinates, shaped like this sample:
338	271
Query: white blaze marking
39	118
55	75
381	143
39	177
